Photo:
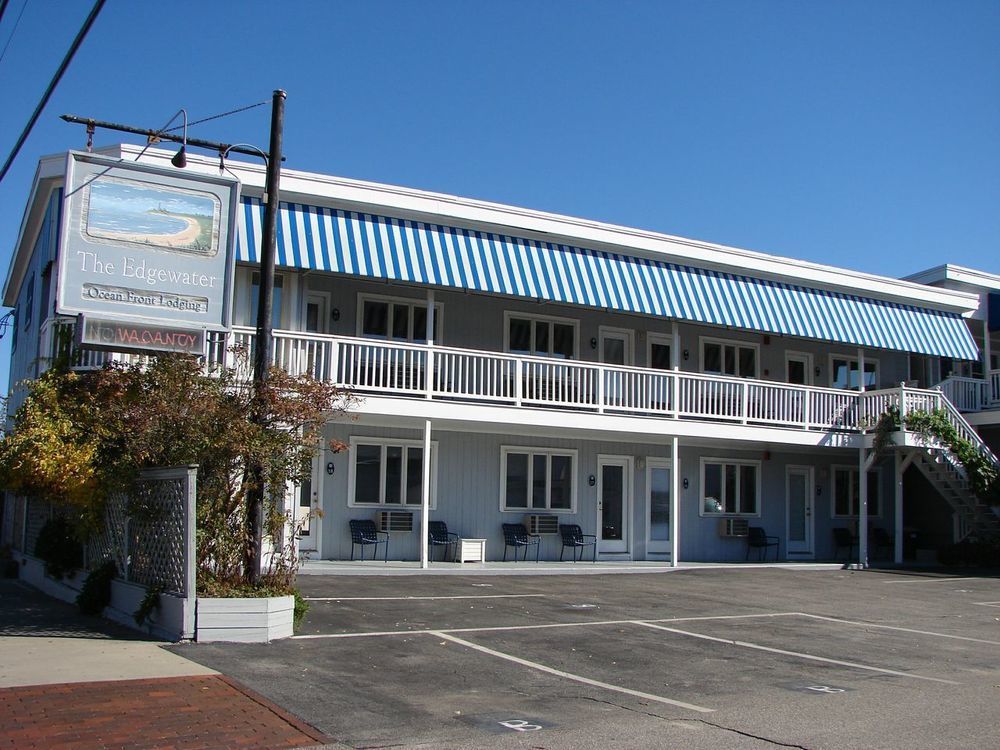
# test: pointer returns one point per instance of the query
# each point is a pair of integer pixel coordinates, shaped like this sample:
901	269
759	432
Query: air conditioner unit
734	527
542	524
395	520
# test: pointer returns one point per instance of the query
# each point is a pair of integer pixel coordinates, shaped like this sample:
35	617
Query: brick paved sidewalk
177	713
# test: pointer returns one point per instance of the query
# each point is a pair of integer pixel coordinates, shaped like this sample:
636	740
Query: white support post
601	375
861	370
425	495
675	391
897	552
429	335
986	394
675	502
675	347
862	507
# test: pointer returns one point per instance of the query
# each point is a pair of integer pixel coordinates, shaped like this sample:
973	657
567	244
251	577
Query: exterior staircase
973	518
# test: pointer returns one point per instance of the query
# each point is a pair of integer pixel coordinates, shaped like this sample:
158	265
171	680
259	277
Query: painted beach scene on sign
136	213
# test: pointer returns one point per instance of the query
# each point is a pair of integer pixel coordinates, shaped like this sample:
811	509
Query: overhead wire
17	22
81	35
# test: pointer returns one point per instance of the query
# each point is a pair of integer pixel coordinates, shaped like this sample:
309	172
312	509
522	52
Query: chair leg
562	551
594	558
386	543
538	548
352	551
505	553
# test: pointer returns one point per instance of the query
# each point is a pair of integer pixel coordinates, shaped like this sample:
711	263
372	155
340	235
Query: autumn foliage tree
80	436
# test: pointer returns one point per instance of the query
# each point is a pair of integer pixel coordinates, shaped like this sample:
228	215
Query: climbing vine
935	427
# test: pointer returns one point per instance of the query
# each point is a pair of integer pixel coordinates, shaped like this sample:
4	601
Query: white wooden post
429	335
425	495
675	347
675	389
601	374
744	402
986	394
675	502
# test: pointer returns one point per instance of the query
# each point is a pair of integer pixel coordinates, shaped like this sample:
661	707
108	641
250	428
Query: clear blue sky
857	133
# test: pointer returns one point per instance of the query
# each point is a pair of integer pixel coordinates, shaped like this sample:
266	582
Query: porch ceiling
411	251
375	411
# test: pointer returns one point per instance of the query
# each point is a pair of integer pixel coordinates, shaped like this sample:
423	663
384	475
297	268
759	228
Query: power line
17	22
52	84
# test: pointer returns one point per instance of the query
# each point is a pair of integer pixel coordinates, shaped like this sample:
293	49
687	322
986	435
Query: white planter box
256	620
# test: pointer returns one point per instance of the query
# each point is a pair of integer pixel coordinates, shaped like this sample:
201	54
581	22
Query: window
279	282
537	479
720	357
388	472
844	372
541	336
846	492
730	487
29	301
395	319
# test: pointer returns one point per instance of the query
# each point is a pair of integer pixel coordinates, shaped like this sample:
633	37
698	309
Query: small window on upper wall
396	319
729	358
541	336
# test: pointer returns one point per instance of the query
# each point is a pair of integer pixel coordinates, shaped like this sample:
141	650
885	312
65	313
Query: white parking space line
418	598
901	630
796	654
570	676
545	626
988	604
938	580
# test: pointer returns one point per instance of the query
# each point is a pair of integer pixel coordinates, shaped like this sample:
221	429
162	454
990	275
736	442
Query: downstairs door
799	512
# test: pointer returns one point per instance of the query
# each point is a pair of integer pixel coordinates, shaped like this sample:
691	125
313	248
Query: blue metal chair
363	533
573	537
758	539
515	535
439	536
844	539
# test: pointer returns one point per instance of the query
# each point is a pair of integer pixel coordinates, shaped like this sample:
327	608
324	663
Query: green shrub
58	547
96	592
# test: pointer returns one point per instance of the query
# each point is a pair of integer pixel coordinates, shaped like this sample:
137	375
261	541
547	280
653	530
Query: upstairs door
615	349
798	368
799	512
614	503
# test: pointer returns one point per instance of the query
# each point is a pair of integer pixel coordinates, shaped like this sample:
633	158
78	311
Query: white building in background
515	366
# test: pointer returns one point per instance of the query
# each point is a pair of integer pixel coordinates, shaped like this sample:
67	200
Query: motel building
512	366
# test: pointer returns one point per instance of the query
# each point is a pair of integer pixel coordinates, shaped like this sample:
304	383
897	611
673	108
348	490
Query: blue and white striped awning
402	250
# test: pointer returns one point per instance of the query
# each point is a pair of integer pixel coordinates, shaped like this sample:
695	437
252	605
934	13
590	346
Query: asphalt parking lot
690	659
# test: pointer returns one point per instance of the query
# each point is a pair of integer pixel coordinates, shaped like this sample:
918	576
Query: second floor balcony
451	374
438	373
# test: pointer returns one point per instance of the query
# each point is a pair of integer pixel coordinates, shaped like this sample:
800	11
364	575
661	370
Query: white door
658	505
317	312
616	346
799	368
614	503
306	506
799	511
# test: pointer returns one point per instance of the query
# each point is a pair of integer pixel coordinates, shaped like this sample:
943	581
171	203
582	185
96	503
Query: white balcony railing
446	373
401	369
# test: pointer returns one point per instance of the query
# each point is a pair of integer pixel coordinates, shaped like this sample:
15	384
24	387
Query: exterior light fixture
179	159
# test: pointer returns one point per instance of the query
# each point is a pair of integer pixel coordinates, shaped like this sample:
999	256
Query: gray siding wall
468	495
33	294
476	321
